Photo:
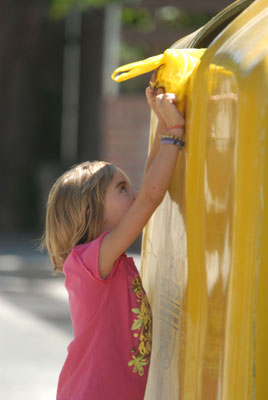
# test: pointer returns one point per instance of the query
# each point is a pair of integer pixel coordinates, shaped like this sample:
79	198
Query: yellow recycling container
205	250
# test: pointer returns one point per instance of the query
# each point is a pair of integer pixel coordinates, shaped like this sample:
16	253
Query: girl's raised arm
155	184
161	124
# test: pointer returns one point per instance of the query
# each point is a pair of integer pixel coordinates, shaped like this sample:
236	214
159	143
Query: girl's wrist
174	140
161	122
174	130
175	121
173	135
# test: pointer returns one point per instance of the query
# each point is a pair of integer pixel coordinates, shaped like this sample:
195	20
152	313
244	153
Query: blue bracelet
173	140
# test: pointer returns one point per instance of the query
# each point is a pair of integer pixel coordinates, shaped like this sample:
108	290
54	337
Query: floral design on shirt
143	327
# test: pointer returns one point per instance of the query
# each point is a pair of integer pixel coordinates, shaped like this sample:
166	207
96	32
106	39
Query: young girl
93	216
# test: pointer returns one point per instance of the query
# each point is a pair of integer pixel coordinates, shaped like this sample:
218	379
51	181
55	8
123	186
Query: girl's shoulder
83	252
84	258
89	247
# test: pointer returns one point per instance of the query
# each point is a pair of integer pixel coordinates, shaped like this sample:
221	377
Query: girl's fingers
167	95
160	90
165	106
160	101
150	95
148	91
171	97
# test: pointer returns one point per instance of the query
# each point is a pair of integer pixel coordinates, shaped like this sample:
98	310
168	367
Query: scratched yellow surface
205	251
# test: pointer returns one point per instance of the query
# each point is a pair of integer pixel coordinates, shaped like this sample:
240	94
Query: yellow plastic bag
174	68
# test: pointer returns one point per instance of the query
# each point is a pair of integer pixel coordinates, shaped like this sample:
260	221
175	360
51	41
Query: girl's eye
123	189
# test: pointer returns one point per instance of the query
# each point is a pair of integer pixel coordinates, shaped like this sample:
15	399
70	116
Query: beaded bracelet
170	136
173	140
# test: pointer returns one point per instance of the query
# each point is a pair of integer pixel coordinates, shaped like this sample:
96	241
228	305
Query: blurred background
58	107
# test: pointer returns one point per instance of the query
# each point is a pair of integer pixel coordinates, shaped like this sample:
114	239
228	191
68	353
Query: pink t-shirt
110	354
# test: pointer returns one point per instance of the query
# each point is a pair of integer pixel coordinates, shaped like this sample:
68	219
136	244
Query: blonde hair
75	209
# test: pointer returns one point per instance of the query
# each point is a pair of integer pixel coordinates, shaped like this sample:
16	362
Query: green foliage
139	18
60	8
173	17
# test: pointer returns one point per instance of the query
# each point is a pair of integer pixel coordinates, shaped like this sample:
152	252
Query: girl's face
118	199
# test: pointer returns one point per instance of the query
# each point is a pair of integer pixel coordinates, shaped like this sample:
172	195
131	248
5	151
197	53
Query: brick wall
125	134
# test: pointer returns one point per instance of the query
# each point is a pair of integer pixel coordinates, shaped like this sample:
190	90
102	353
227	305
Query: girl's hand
150	96
165	106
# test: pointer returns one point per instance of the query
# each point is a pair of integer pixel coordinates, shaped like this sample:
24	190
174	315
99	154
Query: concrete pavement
35	326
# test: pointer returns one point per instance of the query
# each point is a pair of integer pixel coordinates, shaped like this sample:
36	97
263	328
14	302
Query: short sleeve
87	255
